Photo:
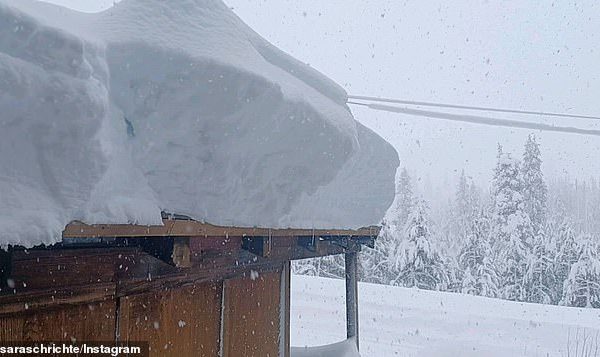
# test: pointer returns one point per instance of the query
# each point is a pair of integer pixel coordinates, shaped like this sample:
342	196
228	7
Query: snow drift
345	348
176	106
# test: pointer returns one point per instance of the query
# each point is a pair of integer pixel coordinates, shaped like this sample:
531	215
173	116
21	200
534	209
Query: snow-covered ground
408	322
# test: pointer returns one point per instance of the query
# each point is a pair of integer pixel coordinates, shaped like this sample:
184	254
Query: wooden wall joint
5	269
261	246
181	252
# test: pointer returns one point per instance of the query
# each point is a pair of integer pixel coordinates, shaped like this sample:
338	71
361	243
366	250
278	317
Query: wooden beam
47	298
187	228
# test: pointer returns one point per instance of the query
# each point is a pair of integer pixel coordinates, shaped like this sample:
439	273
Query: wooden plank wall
48	269
176	322
251	317
234	315
83	322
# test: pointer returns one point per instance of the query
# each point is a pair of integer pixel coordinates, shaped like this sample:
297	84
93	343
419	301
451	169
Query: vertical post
284	311
351	260
181	252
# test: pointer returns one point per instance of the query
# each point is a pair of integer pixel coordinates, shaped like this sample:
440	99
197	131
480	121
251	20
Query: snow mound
176	106
345	348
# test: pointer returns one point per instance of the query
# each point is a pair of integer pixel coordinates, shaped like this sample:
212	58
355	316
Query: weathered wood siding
226	304
252	315
84	322
176	322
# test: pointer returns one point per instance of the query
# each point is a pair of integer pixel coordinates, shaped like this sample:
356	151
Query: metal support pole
352	295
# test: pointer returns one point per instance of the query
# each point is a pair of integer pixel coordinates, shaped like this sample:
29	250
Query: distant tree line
521	242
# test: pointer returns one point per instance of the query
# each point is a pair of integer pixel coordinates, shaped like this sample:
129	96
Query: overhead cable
467	107
479	119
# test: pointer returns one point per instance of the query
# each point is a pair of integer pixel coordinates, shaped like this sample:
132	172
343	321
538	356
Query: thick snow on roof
177	106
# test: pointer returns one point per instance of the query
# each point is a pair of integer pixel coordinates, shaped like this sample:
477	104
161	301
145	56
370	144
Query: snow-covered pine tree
535	190
332	266
378	264
465	209
469	284
404	199
463	202
582	287
417	262
374	263
467	199
305	267
454	273
511	228
475	260
540	280
567	254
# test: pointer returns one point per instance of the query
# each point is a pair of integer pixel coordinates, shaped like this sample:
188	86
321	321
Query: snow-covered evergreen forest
523	238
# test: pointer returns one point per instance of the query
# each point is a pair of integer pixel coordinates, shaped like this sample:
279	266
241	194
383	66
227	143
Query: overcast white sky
536	55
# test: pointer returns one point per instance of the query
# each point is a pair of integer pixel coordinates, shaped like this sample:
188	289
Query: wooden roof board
191	228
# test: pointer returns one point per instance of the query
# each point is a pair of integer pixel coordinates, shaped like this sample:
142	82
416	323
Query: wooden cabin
186	288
